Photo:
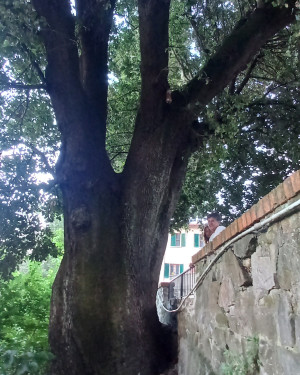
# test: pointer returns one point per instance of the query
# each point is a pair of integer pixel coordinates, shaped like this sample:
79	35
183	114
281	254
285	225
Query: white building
180	248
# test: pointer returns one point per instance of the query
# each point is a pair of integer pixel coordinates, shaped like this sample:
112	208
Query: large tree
103	315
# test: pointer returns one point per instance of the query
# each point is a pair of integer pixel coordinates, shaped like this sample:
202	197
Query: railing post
181	286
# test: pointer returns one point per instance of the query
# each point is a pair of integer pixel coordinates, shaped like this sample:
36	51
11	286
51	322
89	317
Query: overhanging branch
95	20
154	44
62	56
234	54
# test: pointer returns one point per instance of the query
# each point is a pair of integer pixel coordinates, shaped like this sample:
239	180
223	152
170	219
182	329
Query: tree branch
198	36
80	113
32	60
62	73
34	63
247	76
233	56
154	44
184	69
95	20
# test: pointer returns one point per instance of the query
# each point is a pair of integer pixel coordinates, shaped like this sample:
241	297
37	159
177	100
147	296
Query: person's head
214	220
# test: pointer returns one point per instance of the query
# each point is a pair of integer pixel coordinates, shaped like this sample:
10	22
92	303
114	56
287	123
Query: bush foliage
24	318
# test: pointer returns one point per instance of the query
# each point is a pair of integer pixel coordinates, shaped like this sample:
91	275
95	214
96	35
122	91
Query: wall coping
288	189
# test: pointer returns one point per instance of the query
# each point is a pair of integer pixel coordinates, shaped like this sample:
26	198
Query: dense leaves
29	141
24	318
256	122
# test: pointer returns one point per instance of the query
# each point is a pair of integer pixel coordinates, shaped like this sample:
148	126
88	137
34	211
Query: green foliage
58	234
247	364
252	133
29	140
124	88
24	318
256	126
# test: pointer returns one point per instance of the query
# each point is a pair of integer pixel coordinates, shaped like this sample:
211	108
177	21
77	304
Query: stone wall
248	306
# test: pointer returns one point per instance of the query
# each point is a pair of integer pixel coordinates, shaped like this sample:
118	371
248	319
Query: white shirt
216	232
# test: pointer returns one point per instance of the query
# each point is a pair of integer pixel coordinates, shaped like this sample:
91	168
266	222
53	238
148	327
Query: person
207	233
214	226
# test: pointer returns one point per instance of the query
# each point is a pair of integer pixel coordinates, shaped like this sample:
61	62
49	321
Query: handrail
182	284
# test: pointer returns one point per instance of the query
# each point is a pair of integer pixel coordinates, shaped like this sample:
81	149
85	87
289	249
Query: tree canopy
254	122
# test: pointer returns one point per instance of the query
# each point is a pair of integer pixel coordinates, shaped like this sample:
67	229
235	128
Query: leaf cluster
24	318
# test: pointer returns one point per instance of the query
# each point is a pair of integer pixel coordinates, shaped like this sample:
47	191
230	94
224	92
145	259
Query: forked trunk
103	313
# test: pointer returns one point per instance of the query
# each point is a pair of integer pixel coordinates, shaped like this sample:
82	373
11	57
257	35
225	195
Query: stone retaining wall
249	303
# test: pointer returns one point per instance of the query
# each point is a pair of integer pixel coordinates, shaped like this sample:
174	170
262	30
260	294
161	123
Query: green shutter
196	240
181	268
173	240
182	239
167	271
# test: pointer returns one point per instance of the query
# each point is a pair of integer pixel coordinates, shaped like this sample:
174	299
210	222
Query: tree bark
103	316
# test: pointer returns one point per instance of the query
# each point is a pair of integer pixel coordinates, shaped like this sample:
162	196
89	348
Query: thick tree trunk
103	313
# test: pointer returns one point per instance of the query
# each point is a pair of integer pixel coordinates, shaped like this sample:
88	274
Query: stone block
221	320
265	322
263	273
288	242
226	294
231	266
297	330
286	320
288	361
268	358
245	247
241	317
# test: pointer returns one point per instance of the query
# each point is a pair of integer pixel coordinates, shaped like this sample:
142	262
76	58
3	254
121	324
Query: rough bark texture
103	316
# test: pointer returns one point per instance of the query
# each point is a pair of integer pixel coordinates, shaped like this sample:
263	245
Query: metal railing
181	285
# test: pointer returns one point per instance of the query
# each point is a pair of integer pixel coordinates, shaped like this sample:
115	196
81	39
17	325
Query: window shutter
173	240
167	271
181	268
196	240
182	239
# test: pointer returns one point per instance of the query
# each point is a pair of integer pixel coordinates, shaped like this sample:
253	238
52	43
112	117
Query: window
178	239
196	240
172	270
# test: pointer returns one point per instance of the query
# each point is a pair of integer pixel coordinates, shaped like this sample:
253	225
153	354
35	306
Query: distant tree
122	163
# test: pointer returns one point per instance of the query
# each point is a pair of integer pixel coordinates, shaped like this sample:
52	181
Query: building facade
181	246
